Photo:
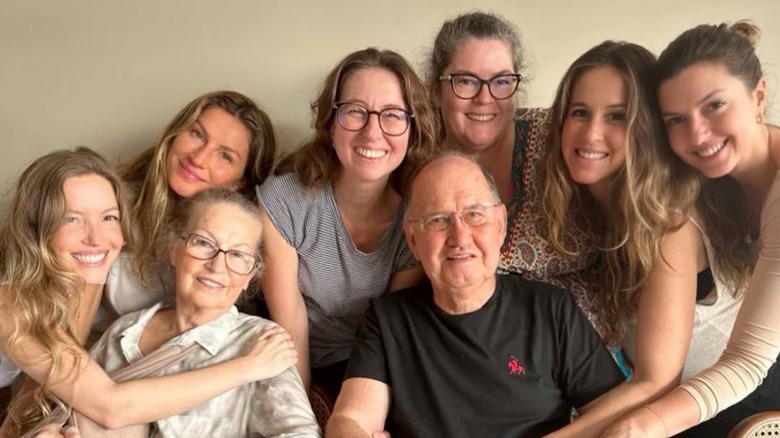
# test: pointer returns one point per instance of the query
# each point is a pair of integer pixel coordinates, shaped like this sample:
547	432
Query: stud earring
760	118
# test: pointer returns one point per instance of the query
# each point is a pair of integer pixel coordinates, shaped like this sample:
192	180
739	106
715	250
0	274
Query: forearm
605	410
148	400
340	426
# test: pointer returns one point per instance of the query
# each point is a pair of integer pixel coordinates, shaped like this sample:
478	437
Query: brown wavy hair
653	192
722	204
147	175
37	288
316	163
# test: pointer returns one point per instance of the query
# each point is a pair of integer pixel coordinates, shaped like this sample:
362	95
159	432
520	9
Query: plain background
111	74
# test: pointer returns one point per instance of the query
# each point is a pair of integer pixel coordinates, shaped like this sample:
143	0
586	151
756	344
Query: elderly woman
214	251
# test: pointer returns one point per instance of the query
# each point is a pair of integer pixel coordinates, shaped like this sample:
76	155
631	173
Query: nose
92	236
199	157
458	234
595	132
218	263
698	131
484	95
372	128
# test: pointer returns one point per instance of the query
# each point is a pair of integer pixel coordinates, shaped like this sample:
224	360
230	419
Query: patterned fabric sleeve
280	408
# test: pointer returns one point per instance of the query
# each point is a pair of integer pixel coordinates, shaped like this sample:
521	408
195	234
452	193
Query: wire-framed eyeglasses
473	217
354	117
468	86
203	248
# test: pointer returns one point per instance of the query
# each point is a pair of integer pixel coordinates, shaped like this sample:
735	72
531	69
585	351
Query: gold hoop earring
760	118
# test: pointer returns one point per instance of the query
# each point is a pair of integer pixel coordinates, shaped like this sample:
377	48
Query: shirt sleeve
8	371
587	368
755	339
288	204
280	408
368	352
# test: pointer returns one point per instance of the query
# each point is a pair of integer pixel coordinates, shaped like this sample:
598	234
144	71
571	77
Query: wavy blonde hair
147	174
37	288
653	192
316	163
722	203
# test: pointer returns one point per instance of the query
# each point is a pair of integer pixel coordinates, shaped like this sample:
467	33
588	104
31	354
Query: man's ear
411	239
502	218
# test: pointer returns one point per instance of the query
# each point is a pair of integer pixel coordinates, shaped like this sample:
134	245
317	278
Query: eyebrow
205	233
700	102
365	104
108	210
207	135
621	105
467	72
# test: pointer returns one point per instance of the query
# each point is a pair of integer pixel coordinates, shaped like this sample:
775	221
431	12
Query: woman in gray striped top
332	212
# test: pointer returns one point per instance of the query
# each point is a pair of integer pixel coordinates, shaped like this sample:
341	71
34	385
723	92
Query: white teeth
712	150
481	117
591	155
209	283
370	153
90	259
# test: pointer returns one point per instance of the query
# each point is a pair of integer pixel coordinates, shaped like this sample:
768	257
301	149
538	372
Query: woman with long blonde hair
65	226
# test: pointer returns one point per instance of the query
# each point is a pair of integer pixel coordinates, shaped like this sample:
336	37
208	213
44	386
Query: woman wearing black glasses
473	75
332	213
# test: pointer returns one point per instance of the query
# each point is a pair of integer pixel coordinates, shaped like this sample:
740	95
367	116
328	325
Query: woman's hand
272	352
641	423
55	431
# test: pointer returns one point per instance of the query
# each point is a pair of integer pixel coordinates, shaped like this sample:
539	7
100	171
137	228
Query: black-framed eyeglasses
203	248
468	86
474	217
354	117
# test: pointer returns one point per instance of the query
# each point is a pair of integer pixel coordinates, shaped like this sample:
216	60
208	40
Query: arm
91	391
663	331
360	410
406	278
752	349
280	289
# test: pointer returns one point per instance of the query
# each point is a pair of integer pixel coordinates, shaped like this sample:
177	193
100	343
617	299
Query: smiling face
211	153
90	237
459	258
593	138
710	117
369	154
208	286
474	125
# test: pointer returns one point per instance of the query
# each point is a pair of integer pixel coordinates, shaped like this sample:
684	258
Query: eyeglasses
202	248
354	117
468	86
474	217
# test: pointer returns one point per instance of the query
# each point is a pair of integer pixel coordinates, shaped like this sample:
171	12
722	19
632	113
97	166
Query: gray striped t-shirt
335	278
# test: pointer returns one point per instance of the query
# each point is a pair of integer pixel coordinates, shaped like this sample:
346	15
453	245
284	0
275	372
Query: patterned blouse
525	250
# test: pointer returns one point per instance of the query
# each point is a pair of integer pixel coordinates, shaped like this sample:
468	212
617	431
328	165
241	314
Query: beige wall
110	74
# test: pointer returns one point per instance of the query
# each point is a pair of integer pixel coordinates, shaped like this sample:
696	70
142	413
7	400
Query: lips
480	117
712	150
370	153
210	283
459	257
590	155
90	259
188	172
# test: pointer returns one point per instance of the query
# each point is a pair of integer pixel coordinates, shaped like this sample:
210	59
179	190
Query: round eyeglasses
473	217
468	86
354	117
202	248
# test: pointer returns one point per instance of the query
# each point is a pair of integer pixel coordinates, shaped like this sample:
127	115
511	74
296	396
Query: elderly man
471	354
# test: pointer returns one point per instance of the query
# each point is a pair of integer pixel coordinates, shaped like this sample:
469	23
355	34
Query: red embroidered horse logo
514	366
